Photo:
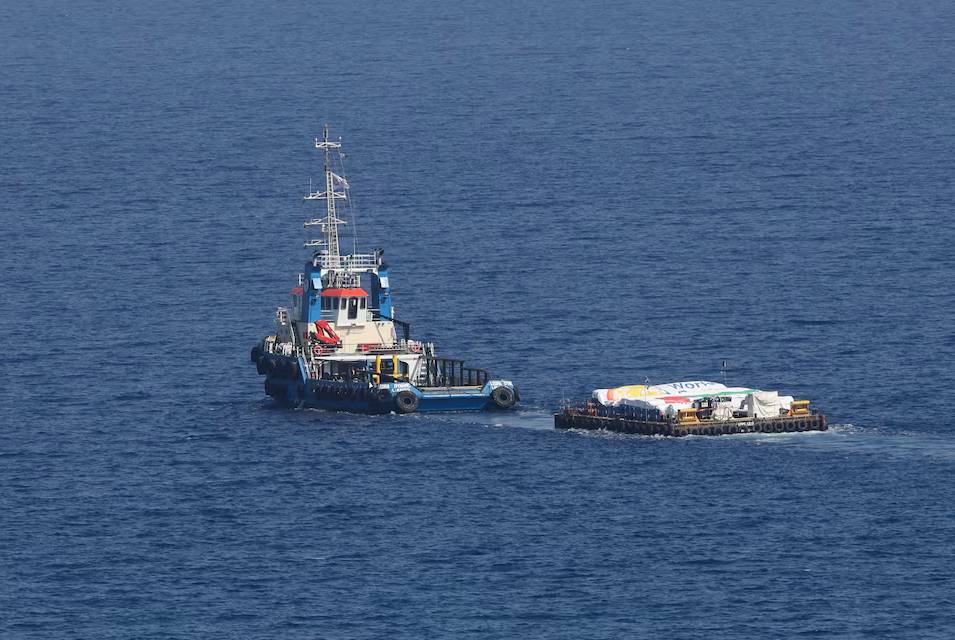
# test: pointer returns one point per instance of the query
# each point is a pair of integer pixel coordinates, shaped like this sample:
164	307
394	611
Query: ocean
573	195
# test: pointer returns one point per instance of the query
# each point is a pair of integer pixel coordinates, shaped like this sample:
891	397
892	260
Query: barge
690	408
337	346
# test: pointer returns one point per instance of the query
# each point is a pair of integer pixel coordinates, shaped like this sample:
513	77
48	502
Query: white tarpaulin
671	397
723	412
762	404
641	393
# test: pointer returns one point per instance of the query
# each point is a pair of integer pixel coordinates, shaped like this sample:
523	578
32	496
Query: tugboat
697	407
337	346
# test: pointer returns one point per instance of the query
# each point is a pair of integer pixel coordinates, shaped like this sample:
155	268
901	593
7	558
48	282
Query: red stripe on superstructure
345	293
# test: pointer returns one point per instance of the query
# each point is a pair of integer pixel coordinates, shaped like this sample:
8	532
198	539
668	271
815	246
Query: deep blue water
571	194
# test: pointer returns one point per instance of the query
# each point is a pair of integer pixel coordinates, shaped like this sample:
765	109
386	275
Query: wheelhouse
345	307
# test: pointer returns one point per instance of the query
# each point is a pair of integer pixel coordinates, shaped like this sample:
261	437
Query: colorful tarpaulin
671	397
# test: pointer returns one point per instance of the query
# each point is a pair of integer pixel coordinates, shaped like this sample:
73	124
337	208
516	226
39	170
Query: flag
339	181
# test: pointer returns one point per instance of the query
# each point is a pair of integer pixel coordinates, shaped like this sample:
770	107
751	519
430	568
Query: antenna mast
331	256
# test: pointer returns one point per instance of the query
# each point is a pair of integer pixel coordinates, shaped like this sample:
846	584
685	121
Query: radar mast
336	188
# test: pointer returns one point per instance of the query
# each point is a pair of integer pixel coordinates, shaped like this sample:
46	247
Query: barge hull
783	424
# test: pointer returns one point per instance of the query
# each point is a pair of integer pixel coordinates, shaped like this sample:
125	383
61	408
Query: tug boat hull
581	419
288	384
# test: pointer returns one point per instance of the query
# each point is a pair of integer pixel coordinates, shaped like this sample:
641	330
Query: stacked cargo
721	401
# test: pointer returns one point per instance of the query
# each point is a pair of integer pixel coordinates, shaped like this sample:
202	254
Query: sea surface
571	194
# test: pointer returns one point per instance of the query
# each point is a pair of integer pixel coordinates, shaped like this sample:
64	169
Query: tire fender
503	397
406	402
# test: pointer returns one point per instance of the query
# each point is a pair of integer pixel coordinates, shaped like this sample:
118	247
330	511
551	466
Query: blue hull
363	397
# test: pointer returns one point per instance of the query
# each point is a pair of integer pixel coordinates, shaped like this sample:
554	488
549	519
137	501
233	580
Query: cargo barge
690	408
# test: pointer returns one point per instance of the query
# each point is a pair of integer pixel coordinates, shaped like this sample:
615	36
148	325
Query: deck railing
354	262
448	372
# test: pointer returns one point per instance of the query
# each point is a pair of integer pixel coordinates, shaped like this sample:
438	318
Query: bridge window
363	302
344	303
352	308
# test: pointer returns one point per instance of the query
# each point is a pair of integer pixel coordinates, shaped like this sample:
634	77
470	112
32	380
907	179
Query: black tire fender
406	402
